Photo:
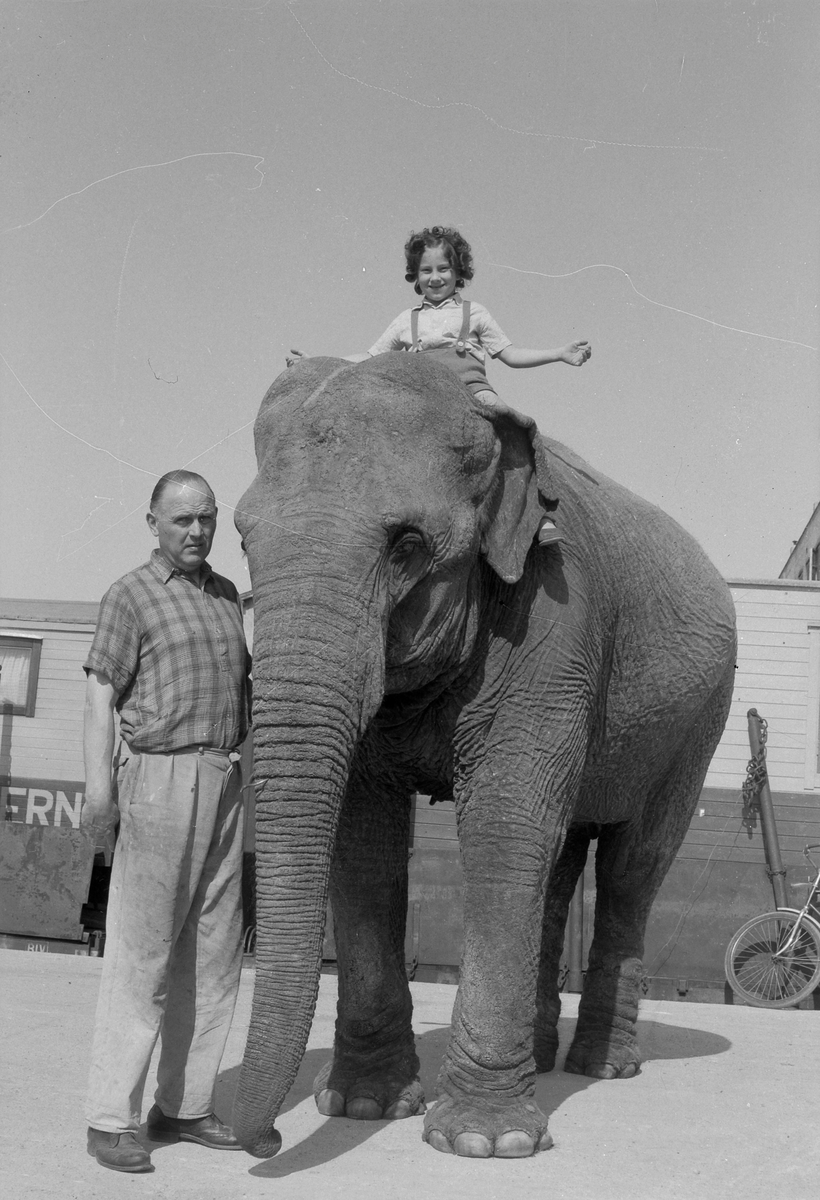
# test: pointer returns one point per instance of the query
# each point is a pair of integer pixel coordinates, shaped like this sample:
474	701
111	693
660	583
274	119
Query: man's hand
100	816
576	353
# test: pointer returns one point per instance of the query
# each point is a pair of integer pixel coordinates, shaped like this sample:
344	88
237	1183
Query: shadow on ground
336	1137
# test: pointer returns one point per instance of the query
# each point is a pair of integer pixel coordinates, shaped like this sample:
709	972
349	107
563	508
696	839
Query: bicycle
773	961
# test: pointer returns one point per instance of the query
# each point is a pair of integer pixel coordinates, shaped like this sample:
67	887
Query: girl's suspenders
461	341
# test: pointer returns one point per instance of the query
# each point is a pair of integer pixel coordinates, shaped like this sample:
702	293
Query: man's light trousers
173	948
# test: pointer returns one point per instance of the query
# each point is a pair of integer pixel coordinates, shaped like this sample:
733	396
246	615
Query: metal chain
755	778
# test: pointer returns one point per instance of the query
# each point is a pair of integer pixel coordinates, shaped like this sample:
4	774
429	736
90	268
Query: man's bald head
187	478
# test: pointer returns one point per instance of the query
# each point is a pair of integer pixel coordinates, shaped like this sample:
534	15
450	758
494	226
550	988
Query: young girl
459	332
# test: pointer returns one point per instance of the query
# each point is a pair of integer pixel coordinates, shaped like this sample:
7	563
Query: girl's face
436	278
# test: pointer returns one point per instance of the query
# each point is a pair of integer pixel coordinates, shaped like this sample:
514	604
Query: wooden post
768	825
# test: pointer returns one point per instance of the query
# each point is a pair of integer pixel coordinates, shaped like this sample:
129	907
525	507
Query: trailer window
19	672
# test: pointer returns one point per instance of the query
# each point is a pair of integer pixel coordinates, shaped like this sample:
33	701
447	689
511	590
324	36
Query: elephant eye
408	542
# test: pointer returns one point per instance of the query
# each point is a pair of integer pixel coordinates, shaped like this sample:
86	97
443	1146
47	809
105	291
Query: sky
192	188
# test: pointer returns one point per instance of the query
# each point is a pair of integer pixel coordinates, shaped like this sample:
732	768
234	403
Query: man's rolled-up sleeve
115	649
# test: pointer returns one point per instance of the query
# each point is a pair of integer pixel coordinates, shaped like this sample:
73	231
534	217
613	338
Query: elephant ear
520	493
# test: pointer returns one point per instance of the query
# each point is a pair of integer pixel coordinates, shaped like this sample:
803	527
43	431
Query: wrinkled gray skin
410	636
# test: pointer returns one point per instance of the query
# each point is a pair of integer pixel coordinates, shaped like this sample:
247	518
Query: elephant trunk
318	679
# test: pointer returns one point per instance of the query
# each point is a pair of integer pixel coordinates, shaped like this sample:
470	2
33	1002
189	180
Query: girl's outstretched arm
574	353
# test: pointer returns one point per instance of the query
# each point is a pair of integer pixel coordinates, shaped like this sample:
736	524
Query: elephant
411	636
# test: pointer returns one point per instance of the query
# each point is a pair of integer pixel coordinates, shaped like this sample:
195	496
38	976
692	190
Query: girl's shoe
548	533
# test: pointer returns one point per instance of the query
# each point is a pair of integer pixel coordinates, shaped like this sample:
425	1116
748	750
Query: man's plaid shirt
176	655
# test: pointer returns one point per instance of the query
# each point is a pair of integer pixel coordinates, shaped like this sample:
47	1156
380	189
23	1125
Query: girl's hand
576	353
293	358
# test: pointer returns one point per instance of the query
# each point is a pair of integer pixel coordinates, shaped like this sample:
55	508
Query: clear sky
190	188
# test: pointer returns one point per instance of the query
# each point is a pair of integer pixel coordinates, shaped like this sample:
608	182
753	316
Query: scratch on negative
147	167
588	141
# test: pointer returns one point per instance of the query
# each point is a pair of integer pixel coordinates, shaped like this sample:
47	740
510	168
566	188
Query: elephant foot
367	1099
477	1127
605	1045
603	1058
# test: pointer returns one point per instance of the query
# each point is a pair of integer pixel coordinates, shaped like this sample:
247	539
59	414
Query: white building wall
778	640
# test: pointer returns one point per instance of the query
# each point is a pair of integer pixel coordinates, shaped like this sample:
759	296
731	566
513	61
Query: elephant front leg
486	1085
373	1073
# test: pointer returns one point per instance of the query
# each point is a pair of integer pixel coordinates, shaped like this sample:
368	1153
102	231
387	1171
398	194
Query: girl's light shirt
440	327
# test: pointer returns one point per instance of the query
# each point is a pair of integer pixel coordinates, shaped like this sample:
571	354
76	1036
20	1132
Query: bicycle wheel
765	978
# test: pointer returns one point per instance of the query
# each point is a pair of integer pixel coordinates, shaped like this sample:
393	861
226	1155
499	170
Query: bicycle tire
764	981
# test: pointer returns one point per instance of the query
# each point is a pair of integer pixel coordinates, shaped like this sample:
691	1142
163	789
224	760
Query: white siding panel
775	597
780	649
50	733
64	671
788	672
736	733
792	755
48	764
783	777
774	617
768	700
66	651
777	621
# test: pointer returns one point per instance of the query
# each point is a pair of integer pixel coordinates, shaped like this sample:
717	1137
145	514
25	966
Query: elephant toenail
363	1108
473	1145
438	1141
515	1143
330	1103
398	1111
546	1142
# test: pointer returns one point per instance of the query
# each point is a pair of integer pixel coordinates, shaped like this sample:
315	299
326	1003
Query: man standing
169	655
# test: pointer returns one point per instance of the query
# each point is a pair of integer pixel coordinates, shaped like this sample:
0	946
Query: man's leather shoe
118	1151
206	1131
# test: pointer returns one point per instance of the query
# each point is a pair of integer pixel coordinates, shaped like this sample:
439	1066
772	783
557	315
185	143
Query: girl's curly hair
455	246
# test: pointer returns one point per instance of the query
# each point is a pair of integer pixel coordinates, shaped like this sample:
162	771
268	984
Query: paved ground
726	1106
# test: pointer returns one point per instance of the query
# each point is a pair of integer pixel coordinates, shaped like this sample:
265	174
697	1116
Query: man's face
184	524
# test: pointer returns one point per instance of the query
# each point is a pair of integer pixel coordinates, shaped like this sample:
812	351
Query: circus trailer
46	864
53	878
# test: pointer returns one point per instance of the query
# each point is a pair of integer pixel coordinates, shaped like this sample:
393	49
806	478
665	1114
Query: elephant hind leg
632	861
562	882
